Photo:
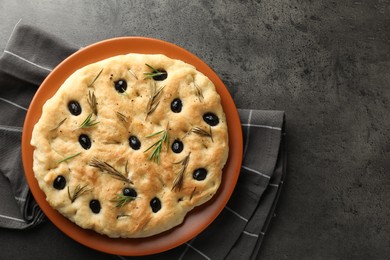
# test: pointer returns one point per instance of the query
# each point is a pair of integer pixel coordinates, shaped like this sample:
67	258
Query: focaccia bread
129	145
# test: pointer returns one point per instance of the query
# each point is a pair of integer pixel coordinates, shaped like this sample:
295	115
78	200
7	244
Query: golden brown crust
110	164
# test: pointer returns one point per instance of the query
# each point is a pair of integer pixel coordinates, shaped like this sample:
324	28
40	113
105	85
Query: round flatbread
129	145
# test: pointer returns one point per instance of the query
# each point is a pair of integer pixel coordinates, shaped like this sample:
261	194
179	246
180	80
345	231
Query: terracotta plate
199	218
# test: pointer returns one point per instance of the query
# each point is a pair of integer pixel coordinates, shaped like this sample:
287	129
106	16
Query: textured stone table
326	63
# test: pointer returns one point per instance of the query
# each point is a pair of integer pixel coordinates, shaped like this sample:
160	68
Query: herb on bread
58	125
88	122
157	146
178	182
155	73
104	167
92	102
69	157
198	92
132	73
154	99
192	193
202	132
93	81
122	200
77	192
122	117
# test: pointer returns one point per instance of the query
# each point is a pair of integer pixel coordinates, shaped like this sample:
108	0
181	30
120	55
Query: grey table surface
325	63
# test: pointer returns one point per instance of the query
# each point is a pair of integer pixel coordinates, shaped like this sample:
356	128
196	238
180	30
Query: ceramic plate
196	220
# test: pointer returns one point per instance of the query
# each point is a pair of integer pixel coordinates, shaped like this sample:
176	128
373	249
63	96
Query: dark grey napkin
237	233
25	62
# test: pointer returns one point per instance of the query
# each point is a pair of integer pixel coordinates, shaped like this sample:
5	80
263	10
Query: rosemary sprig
92	102
154	73
88	122
69	157
132	73
93	81
108	169
154	99
157	146
122	117
122	200
77	192
58	125
178	182
198	92
202	132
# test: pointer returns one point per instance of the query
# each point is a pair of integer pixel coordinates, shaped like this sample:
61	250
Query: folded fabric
237	233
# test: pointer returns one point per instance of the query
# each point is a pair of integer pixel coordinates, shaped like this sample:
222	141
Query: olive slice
155	204
120	85
199	174
134	142
177	146
84	141
130	192
74	107
59	182
94	205
211	119
176	105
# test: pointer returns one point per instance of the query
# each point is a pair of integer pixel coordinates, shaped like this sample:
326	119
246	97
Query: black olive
84	141
199	174
177	146
134	142
211	119
155	204
94	205
176	105
129	192
74	108
120	85
59	182
161	76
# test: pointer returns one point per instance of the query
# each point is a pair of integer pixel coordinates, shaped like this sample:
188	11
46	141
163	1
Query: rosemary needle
58	125
69	157
132	73
198	92
122	117
192	193
88	122
93	81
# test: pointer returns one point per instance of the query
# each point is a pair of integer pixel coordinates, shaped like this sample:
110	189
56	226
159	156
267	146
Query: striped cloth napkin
237	233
